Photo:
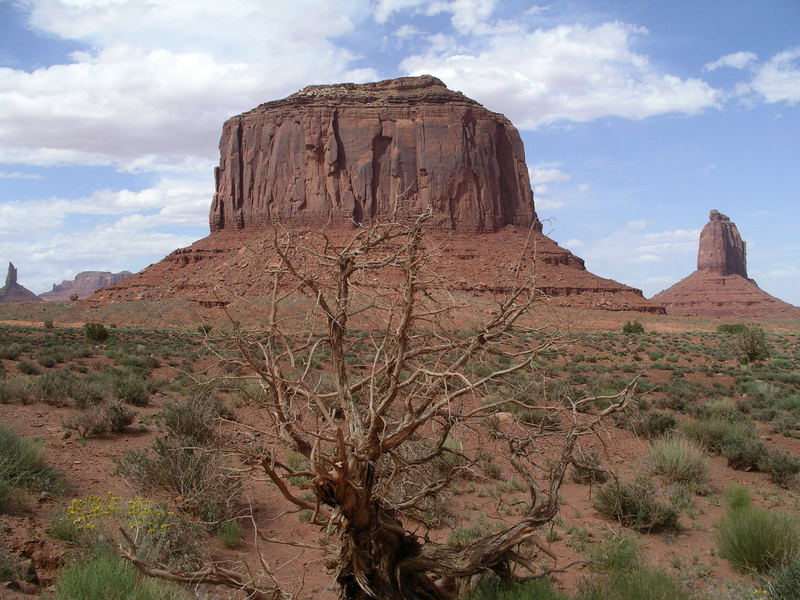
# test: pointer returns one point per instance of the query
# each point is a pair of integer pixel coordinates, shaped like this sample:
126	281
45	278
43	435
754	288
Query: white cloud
466	16
406	32
778	79
569	72
162	76
584	187
736	60
541	175
546	204
573	243
18	175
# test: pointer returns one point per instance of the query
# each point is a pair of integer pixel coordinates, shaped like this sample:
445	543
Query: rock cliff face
85	284
13	291
720	286
721	250
339	154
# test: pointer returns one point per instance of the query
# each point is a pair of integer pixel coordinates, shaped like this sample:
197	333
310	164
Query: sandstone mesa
720	285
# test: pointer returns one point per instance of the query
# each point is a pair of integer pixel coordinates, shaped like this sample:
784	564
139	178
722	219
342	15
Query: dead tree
362	372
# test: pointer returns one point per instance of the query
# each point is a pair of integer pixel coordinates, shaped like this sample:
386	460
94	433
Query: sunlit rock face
345	153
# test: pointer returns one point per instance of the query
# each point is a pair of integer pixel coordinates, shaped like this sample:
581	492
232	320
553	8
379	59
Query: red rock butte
338	156
720	285
84	285
13	291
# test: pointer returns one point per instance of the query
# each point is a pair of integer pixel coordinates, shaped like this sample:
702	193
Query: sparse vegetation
636	504
678	460
23	466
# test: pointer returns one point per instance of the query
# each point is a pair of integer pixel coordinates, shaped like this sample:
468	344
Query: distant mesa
720	285
337	156
13	291
84	285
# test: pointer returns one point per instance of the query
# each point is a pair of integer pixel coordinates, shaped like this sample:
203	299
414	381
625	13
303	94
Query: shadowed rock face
85	284
334	154
13	291
721	249
720	286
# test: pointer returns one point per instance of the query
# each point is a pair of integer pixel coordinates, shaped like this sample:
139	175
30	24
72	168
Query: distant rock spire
11	276
721	250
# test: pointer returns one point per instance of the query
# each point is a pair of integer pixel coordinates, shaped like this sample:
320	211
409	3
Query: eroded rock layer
720	286
13	291
85	284
227	264
354	152
337	156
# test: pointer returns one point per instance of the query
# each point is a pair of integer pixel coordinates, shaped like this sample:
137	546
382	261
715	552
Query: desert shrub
119	416
788	402
498	589
23	465
678	394
62	527
96	332
10	351
53	387
678	460
131	388
633	327
104	576
8	567
206	487
636	504
785	581
463	536
586	468
787	425
89	422
723	409
192	419
229	532
752	538
654	423
616	553
737	496
637	584
751	345
731	327
782	466
17	388
48	324
27	367
716	434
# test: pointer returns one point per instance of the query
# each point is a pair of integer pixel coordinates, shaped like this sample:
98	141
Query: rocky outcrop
338	154
13	291
335	156
720	286
721	250
85	284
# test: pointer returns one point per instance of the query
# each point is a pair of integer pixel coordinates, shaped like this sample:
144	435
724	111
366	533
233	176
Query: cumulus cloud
736	60
778	79
162	76
466	16
566	73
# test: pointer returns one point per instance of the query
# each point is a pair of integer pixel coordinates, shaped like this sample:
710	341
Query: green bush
192	419
633	327
108	577
678	460
714	434
782	467
26	367
785	583
637	584
497	589
96	332
751	345
23	465
636	505
752	538
230	533
655	423
737	496
10	352
616	553
8	567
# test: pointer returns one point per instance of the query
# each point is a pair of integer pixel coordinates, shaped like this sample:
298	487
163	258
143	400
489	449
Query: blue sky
637	117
